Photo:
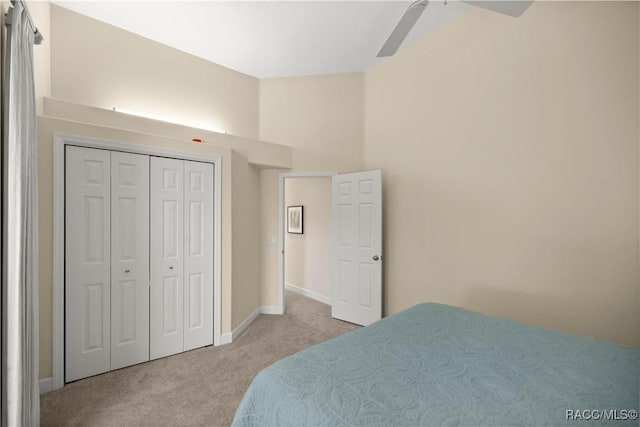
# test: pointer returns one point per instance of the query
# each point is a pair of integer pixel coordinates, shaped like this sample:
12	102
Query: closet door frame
60	141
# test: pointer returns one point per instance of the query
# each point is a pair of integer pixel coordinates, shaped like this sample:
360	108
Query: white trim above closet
59	143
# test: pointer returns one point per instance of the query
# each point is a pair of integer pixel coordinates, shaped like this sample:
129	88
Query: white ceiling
271	38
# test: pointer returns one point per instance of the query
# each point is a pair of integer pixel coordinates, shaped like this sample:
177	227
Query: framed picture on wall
294	219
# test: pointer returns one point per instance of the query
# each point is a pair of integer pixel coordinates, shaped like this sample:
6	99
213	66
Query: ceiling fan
410	17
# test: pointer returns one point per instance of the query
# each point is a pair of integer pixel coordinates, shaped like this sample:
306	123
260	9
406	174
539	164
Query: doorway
307	239
305	247
356	250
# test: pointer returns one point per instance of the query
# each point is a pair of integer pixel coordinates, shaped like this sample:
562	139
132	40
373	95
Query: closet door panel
167	272
87	262
198	255
129	259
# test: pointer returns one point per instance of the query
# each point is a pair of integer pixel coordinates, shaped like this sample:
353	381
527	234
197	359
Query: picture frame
295	219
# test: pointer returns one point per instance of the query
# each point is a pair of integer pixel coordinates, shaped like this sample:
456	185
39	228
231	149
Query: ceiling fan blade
507	7
405	25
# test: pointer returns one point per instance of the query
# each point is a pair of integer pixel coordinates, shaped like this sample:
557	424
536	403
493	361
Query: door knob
376	257
127	271
170	267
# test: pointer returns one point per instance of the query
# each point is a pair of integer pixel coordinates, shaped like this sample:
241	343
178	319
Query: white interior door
357	247
198	255
166	228
87	262
129	259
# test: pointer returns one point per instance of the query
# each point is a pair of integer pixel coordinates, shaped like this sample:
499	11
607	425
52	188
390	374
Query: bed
437	365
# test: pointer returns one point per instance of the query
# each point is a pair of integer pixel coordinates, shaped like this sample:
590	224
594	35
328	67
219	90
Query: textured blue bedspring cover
436	365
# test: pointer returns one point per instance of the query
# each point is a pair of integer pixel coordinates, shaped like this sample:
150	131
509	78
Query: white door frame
282	226
59	142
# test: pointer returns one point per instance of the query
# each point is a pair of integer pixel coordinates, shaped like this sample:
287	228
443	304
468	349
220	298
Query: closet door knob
376	257
171	267
127	271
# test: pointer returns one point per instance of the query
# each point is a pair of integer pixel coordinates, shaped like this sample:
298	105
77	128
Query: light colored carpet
199	387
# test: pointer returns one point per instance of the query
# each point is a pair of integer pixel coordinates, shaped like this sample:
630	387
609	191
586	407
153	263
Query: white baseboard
271	309
46	385
245	324
225	338
307	293
263	309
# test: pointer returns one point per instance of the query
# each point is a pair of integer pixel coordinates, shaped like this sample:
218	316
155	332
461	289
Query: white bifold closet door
167	223
181	308
129	259
198	254
106	261
87	262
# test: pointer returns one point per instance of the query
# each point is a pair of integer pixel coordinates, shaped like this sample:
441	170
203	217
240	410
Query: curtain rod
37	33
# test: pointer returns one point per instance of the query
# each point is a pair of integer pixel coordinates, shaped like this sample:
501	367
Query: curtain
20	225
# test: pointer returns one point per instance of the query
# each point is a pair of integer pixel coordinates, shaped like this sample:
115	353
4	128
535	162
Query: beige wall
321	118
41	16
269	223
269	229
95	64
246	235
308	255
510	157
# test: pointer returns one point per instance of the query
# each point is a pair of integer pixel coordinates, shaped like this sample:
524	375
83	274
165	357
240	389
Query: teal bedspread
436	365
